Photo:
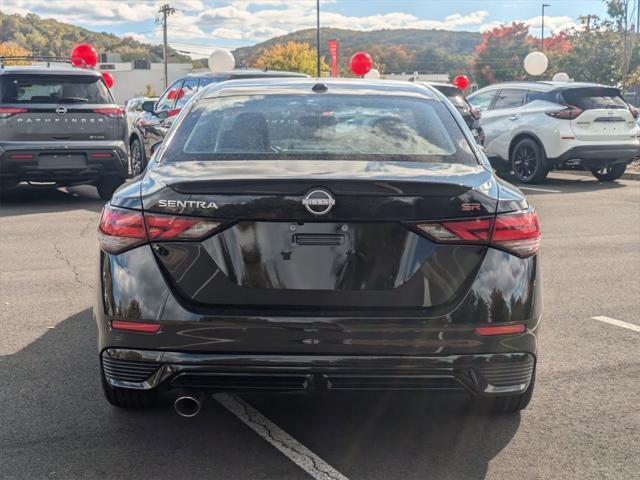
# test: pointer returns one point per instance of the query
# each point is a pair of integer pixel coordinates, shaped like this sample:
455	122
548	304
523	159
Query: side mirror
155	147
147	106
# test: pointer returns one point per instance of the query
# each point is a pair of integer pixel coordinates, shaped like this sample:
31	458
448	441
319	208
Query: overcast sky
200	24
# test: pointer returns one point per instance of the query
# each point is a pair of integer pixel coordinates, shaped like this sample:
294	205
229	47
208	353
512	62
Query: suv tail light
634	111
122	229
517	233
115	112
9	112
568	113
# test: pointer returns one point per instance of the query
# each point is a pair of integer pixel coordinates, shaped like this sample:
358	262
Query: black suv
60	125
151	127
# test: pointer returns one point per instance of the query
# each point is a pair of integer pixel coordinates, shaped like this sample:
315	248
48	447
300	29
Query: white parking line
297	453
618	323
539	189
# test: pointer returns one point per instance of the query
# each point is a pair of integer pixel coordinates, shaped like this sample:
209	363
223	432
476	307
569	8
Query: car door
501	120
149	124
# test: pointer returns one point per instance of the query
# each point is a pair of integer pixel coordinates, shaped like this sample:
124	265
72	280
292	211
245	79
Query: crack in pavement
61	256
289	446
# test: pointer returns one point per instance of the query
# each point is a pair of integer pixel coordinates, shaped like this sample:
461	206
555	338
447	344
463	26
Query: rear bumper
482	375
589	156
20	162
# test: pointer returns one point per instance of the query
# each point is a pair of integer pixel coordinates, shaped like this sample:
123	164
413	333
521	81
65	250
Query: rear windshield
594	98
53	89
326	127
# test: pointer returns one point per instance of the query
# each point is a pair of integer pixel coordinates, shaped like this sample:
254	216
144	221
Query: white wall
129	83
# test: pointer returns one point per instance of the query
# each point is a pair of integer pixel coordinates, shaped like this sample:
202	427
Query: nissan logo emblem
318	202
61	110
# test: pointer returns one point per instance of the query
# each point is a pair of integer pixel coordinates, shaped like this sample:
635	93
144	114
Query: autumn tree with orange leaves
501	54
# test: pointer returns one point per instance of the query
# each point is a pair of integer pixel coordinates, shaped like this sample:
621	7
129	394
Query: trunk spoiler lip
226	174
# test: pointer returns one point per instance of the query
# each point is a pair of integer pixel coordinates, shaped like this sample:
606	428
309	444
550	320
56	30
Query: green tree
290	56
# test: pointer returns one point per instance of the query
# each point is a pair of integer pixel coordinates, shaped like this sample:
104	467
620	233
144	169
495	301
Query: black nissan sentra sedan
318	235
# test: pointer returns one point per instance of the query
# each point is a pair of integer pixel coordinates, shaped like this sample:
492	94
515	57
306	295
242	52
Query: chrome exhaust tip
188	406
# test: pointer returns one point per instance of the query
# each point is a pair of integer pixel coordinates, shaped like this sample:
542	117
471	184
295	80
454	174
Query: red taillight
568	113
135	326
634	111
517	233
173	227
122	229
500	330
8	112
475	113
116	112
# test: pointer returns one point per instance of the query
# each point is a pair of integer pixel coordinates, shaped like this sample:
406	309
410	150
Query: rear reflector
8	112
517	233
116	112
100	155
135	326
500	330
122	229
21	156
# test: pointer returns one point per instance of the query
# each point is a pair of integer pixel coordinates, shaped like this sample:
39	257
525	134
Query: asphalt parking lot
583	422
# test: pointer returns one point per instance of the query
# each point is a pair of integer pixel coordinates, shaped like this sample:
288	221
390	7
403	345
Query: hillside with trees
49	37
398	50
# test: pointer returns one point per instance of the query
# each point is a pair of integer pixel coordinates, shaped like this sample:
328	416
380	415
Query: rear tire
528	161
138	162
609	173
511	403
127	398
106	186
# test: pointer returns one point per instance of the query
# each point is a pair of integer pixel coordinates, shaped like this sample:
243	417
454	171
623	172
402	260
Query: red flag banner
334	46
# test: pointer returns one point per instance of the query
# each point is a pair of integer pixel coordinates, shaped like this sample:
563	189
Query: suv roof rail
39	58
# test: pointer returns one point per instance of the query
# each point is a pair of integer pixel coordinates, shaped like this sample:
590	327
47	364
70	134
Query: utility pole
544	5
318	36
165	11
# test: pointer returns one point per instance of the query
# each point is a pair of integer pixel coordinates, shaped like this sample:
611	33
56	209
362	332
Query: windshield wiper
73	100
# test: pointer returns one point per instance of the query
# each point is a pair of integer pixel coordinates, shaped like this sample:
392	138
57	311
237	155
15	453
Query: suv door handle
515	117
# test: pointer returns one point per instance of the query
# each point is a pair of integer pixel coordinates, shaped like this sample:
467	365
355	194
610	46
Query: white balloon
536	63
372	74
561	77
221	60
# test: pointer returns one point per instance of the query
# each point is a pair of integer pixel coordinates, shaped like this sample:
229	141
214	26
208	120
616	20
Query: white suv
533	127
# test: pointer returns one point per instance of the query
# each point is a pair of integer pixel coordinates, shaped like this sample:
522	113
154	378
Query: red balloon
461	81
360	63
84	55
108	79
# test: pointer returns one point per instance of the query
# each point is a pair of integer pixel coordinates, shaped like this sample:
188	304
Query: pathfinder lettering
186	204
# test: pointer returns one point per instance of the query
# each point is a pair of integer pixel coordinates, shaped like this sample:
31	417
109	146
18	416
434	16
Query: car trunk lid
365	253
605	115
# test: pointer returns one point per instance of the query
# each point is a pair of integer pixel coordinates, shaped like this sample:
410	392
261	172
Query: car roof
246	73
44	70
542	85
297	86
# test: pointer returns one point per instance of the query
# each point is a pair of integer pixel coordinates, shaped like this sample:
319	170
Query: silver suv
60	125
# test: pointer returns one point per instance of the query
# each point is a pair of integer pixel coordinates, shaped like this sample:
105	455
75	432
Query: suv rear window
591	98
323	127
53	89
